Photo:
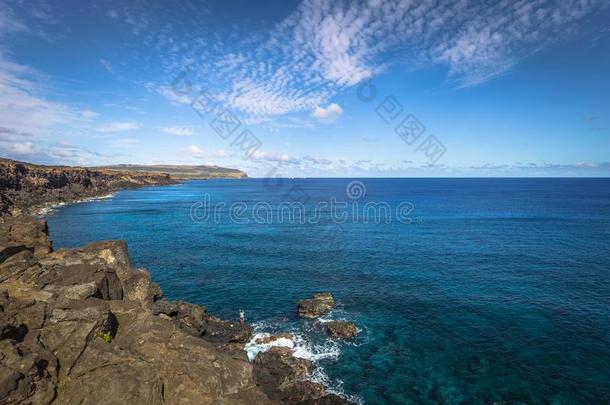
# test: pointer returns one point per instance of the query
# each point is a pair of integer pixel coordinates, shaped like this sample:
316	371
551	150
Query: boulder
341	329
316	306
277	367
138	286
188	316
272	338
284	378
196	321
220	331
23	233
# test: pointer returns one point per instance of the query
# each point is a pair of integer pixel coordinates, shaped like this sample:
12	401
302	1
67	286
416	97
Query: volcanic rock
82	326
341	329
316	306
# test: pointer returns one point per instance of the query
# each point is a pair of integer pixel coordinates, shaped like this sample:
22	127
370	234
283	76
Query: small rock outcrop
283	377
341	329
316	306
272	338
195	320
82	326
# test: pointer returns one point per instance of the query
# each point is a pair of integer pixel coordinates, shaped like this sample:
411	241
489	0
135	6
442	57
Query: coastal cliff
26	186
82	326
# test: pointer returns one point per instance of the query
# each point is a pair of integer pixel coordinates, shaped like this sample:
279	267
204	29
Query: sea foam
50	209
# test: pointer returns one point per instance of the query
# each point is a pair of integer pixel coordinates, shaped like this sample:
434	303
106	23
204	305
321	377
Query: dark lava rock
28	370
341	329
280	363
198	322
273	338
316	306
278	368
82	326
27	186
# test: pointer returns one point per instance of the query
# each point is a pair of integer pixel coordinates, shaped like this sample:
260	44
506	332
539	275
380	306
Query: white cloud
118	127
273	157
198	153
61	152
112	14
23	105
88	114
8	22
195	151
25	148
322	47
175	97
330	112
107	65
177	130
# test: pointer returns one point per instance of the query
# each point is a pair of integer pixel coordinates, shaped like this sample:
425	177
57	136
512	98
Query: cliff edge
25	186
82	326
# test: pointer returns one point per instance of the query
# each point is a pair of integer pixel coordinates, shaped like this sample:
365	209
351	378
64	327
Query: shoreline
49	209
93	292
104	282
99	280
27	187
298	344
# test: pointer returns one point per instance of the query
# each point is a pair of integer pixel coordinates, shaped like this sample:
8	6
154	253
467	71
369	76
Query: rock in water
272	338
277	367
341	329
316	306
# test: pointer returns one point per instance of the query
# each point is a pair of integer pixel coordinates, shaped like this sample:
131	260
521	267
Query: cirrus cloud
118	127
177	130
322	47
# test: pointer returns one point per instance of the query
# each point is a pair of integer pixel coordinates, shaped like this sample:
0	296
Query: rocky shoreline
27	187
79	325
82	326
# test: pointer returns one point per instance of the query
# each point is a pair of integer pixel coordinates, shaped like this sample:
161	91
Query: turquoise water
485	290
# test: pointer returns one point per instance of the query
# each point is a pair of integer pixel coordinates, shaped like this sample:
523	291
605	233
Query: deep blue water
498	289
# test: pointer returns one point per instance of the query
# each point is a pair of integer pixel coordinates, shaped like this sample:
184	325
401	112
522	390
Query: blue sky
357	88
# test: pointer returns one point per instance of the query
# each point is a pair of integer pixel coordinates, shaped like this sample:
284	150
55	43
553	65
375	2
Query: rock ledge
78	325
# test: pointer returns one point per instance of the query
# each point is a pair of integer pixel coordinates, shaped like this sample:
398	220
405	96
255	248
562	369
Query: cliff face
25	185
82	326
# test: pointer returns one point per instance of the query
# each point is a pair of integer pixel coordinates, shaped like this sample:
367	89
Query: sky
310	88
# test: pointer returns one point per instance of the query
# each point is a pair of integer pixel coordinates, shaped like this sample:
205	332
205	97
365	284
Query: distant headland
27	187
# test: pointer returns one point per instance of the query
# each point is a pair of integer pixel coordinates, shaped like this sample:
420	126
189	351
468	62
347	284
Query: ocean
464	290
